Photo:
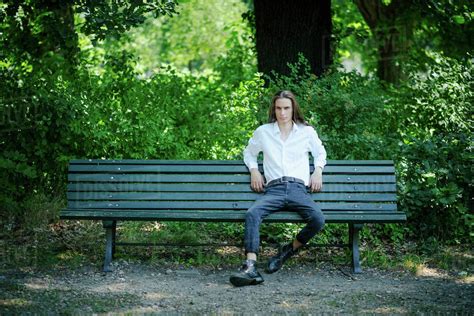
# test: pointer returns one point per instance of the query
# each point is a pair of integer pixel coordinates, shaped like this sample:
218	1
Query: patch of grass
67	243
412	263
454	258
71	258
167	234
341	256
178	232
375	257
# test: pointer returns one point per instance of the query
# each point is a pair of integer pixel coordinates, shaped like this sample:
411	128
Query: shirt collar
276	129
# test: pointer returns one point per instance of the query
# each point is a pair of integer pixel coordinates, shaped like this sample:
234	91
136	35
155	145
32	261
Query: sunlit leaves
114	17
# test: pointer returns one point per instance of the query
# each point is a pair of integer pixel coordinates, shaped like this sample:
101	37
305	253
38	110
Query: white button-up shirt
285	158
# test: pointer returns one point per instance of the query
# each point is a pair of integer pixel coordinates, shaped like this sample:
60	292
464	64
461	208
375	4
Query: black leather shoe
276	262
247	275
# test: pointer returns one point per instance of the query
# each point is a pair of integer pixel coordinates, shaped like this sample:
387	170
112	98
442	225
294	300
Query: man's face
283	110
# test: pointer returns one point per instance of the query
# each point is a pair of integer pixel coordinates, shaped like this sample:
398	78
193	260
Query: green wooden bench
354	192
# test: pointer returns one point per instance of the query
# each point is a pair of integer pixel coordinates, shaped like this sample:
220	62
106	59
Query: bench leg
110	229
114	231
354	244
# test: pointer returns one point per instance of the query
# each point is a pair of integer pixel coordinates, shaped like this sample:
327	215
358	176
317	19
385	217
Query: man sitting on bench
285	142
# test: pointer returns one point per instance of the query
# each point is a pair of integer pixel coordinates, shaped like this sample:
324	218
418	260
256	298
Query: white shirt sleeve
317	149
252	150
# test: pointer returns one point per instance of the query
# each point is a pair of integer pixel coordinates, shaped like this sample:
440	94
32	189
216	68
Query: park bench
354	192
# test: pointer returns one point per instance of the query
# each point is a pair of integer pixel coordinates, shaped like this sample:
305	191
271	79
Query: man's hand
316	180
256	180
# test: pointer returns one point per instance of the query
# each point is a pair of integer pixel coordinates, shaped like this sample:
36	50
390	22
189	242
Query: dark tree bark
392	27
60	32
285	28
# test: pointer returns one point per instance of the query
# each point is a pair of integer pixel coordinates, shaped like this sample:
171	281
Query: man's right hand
256	180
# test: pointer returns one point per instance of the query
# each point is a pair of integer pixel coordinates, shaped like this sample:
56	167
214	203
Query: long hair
297	113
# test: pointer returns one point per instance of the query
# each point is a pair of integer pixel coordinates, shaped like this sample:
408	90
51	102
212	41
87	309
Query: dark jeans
289	196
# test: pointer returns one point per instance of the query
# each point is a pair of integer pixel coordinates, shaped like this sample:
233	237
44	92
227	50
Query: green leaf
459	19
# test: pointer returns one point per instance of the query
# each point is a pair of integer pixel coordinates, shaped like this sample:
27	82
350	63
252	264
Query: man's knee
252	215
317	220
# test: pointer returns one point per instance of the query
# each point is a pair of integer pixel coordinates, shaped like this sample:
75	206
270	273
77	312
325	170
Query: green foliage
171	115
355	48
438	100
15	173
435	179
36	29
400	32
105	108
33	136
447	26
184	88
193	41
32	29
435	158
37	138
112	18
349	111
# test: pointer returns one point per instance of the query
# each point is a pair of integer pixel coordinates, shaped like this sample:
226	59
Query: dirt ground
137	288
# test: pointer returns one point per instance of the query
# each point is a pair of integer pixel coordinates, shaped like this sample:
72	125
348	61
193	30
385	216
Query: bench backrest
365	189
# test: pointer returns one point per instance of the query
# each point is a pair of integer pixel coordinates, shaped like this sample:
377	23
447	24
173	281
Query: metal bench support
354	243
110	230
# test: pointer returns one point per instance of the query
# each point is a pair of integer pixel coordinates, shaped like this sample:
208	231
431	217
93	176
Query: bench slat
214	205
213	178
220	196
229	216
213	162
213	187
123	168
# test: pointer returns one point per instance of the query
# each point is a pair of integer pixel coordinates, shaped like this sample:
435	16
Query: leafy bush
435	178
168	116
350	112
438	100
115	113
33	135
435	158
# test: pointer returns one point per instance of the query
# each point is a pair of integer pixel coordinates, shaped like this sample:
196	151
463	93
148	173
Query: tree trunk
286	28
59	31
392	27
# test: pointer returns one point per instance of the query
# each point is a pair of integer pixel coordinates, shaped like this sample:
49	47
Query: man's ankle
252	256
296	245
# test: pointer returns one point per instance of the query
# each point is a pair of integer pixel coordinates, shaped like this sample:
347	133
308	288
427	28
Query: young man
285	143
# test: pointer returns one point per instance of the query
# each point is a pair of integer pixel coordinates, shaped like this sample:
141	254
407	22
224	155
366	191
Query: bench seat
228	216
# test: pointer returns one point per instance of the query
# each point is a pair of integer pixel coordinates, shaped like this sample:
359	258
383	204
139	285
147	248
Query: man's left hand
316	180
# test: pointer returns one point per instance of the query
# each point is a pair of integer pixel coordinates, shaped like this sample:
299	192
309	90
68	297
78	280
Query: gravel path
301	289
